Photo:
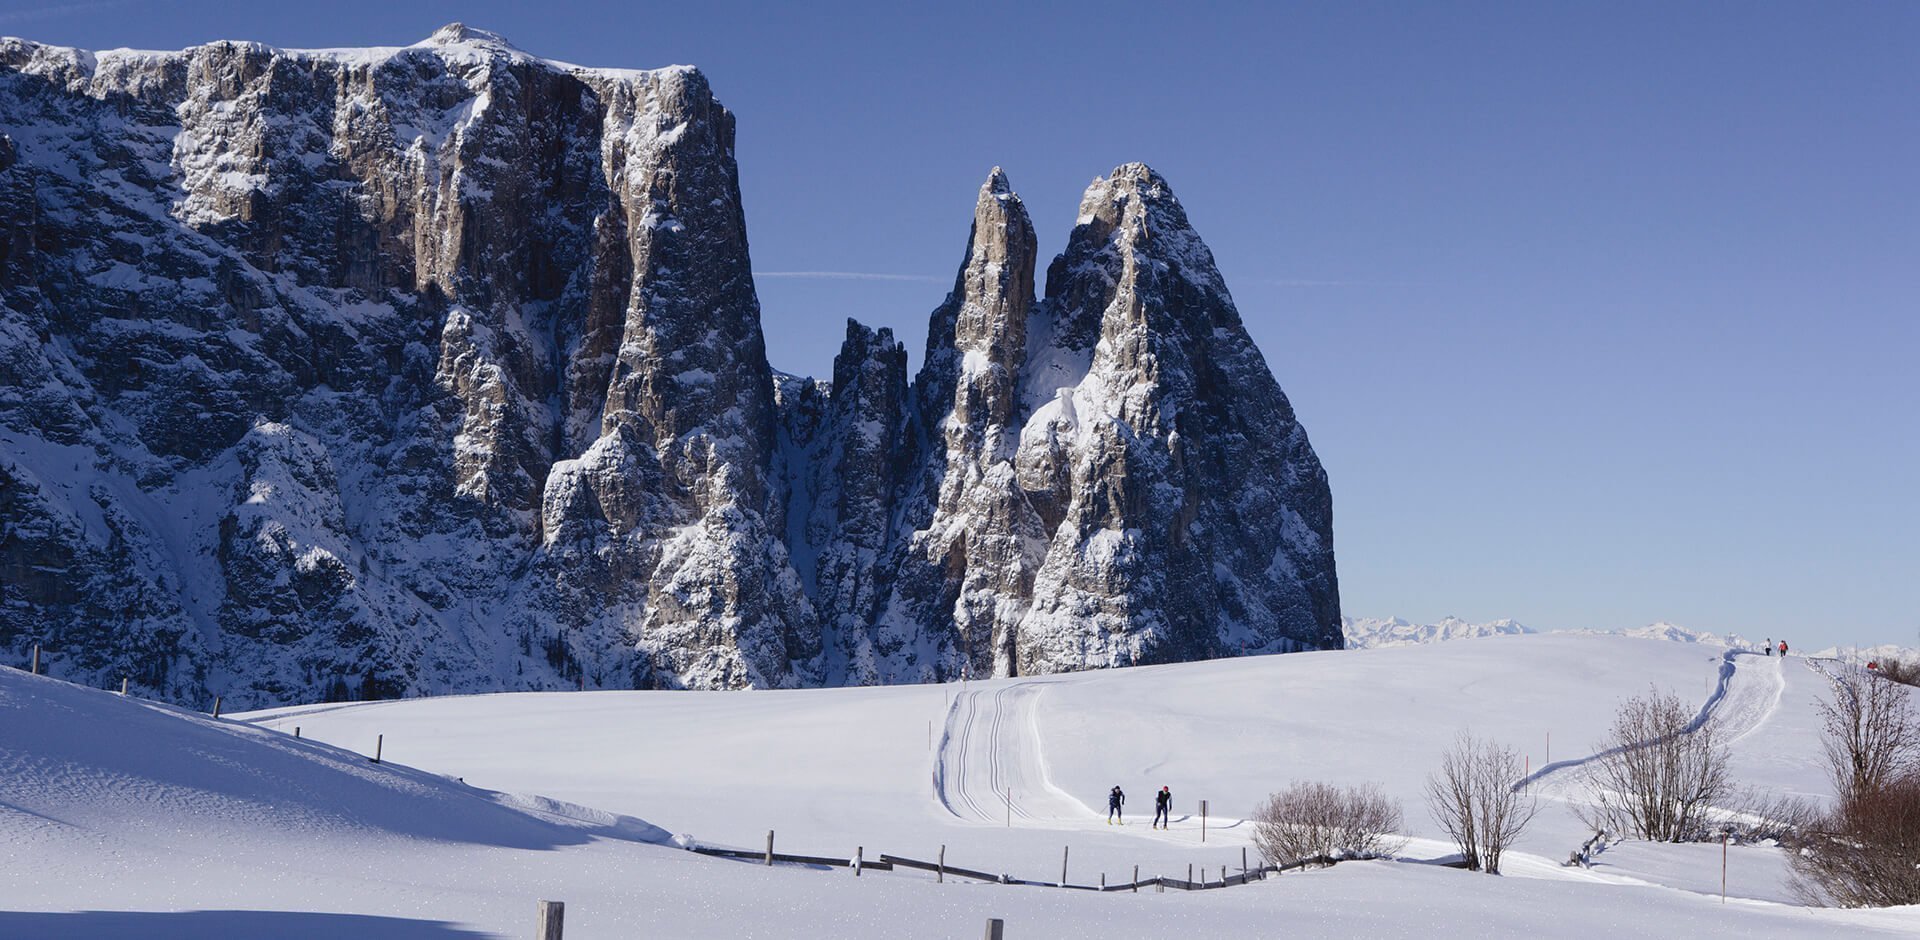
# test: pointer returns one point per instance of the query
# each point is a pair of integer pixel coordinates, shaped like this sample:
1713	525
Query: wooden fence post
1136	879
859	858
1063	864
551	915
1203	820
1243	864
996	928
379	744
1159	886
1103	881
1189	874
769	847
296	731
941	874
36	659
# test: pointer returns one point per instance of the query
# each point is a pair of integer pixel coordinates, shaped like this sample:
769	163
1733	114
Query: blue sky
1597	314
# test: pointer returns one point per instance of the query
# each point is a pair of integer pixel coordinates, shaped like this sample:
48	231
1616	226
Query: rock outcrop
397	371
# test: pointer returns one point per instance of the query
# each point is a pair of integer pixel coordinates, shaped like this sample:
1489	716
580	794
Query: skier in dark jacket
1115	800
1162	805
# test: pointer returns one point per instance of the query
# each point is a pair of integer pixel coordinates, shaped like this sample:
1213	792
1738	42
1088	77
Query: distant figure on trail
1162	805
1768	646
1783	648
1115	800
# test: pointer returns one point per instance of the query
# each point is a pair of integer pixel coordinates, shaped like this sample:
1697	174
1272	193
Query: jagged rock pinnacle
460	385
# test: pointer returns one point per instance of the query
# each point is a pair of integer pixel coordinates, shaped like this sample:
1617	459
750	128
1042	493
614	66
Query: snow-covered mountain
1662	630
1369	632
374	372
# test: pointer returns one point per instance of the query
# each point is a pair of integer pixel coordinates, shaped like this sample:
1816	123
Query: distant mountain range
1370	633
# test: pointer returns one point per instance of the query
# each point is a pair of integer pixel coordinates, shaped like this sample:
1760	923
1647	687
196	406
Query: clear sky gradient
1597	314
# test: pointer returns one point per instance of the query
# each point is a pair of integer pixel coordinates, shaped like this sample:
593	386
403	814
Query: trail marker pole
123	685
996	928
1203	820
859	858
296	731
1103	881
36	659
552	913
216	706
1189	875
1723	866
379	744
1243	864
1063	864
940	874
1136	879
769	847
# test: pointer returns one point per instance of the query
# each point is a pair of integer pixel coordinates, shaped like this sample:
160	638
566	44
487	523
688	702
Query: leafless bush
1864	853
1754	816
1655	779
1310	820
1475	797
1903	671
1871	736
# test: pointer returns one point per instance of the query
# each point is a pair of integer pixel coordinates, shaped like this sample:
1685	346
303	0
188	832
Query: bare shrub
1871	736
1315	820
1755	816
1903	671
1476	798
1655	777
1864	853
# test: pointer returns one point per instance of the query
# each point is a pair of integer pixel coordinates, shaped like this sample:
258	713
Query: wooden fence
886	862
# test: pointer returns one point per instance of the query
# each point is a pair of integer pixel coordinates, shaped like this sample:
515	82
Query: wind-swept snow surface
164	823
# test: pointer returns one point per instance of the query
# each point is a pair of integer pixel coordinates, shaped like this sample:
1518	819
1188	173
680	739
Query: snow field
190	827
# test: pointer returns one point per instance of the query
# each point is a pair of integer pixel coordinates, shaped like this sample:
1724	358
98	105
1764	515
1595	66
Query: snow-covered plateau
120	817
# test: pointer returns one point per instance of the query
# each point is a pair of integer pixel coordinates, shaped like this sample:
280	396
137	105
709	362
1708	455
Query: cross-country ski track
989	767
113	811
1748	691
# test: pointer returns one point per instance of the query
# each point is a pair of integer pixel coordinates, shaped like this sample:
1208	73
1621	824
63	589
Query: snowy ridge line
1710	710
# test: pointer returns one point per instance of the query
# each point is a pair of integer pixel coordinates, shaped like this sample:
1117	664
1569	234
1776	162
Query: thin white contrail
849	276
1304	282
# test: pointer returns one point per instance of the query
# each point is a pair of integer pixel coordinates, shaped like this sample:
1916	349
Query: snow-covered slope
315	838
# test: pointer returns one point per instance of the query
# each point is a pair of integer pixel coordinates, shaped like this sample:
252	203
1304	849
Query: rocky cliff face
439	368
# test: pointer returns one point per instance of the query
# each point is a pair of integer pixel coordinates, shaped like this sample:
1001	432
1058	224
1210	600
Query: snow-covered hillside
163	823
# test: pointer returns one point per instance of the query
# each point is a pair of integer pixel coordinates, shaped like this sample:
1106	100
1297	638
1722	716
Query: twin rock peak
465	343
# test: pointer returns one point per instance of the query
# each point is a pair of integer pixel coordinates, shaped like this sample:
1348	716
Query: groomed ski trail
989	767
1749	690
